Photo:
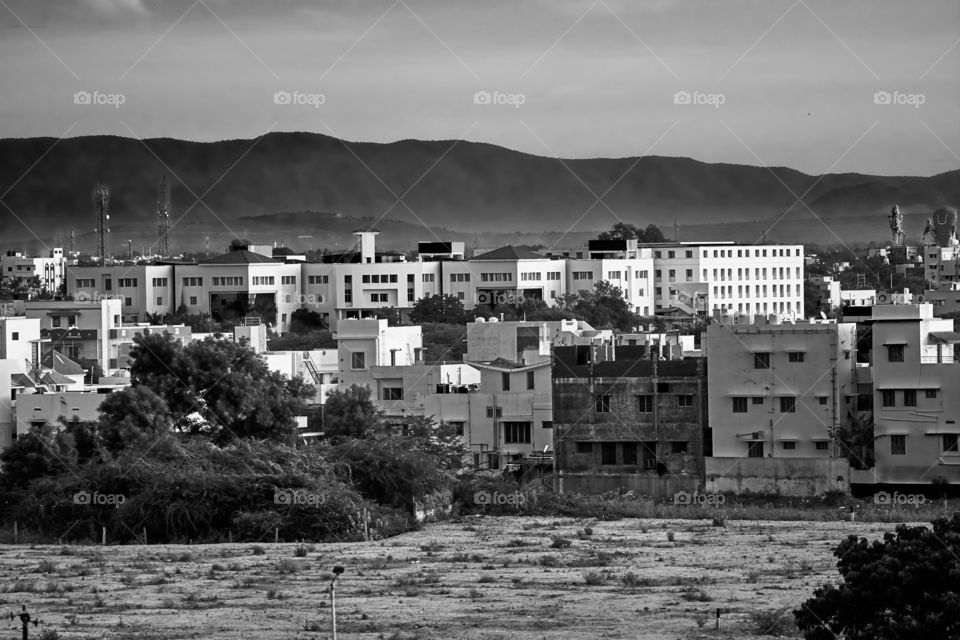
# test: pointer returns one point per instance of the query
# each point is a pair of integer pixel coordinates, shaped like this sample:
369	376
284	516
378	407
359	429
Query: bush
907	586
559	542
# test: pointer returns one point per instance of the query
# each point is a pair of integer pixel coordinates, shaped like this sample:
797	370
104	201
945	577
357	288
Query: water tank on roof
480	320
493	320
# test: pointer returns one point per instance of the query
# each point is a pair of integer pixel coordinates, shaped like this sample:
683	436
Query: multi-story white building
777	390
737	279
695	278
916	404
49	270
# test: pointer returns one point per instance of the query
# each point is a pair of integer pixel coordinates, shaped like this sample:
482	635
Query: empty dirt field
481	577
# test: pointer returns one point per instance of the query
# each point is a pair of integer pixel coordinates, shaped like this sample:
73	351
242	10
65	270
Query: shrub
559	542
593	578
775	623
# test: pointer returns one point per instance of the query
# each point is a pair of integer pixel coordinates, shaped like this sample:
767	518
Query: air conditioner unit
919	299
758	435
882	297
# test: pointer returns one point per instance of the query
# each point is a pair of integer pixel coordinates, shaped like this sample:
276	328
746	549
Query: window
411	296
516	433
159	300
645	404
894	353
531	380
288	279
930	393
822	399
505	381
459	277
649	451
318	279
898	445
685	400
393	393
127	282
821	445
228	281
789	444
128	302
531	275
629	453
458	427
583	275
788	404
950	443
584	447
15	335
757	400
193	282
378	297
494	412
55	322
689	274
608	453
739	405
909	397
553	275
761	360
755	450
193	301
358	360
602	403
795	356
261	280
888	398
546	424
159	282
678	446
108	284
428	277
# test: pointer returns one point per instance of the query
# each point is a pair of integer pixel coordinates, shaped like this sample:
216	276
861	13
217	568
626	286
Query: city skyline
861	87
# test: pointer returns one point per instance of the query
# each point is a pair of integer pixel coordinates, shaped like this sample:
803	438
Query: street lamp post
333	599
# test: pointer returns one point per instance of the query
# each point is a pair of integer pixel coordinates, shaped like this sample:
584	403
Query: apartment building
629	423
737	279
916	378
49	270
777	389
694	278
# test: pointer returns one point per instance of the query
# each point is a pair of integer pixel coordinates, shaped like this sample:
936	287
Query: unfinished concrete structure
631	423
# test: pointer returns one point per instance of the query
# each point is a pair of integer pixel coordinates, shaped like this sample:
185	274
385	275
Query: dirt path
482	578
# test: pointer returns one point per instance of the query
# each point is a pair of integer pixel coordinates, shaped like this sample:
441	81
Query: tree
223	381
627	231
604	307
35	454
856	439
350	412
302	341
133	419
440	309
444	342
307	321
905	586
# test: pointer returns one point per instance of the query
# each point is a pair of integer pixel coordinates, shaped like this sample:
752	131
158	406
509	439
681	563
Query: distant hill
237	187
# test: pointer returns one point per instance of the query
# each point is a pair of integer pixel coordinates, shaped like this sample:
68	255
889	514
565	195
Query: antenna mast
163	220
101	199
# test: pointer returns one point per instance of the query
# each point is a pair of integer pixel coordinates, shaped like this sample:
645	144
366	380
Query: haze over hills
421	190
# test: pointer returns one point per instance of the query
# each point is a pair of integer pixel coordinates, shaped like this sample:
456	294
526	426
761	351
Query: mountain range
309	191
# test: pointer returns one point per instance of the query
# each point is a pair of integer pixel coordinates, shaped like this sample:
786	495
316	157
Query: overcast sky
769	82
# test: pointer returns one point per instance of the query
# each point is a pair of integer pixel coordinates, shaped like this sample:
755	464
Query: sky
868	86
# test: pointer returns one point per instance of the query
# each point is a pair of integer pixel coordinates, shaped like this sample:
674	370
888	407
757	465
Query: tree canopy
439	309
905	586
627	231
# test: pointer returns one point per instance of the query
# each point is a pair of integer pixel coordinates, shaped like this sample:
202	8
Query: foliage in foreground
905	586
